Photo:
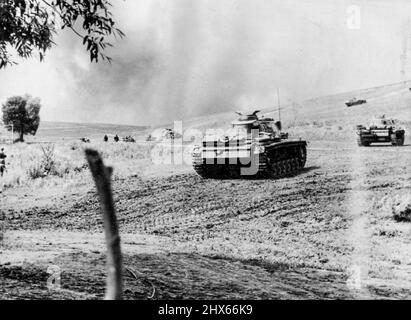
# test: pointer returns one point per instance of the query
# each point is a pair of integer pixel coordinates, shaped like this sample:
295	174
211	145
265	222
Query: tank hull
273	160
367	137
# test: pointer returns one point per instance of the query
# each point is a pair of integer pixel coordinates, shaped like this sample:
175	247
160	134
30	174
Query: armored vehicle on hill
354	102
253	147
381	129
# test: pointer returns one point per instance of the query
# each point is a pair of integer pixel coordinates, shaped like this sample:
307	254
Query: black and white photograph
231	151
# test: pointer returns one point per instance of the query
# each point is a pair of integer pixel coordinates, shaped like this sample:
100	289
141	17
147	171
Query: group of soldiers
116	138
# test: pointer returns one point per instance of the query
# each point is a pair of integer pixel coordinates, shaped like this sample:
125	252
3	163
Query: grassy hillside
310	119
328	117
55	131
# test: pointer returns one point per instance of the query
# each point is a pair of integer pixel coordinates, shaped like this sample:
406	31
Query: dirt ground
325	233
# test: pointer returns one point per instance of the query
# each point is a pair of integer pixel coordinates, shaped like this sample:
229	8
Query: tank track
397	141
362	143
266	167
280	169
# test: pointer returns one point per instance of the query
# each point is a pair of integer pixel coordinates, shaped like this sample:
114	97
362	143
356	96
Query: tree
21	114
28	26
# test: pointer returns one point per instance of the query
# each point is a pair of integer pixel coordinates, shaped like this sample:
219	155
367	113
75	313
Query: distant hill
327	117
327	112
394	100
54	131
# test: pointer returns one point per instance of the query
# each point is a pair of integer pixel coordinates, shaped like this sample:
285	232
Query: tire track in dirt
378	243
265	219
357	235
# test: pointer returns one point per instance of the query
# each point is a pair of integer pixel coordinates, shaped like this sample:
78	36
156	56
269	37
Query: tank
163	134
253	147
380	130
128	139
354	101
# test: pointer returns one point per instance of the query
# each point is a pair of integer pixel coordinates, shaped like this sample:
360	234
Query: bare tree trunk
102	177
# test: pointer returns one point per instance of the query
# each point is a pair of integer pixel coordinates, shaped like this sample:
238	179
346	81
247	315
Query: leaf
30	29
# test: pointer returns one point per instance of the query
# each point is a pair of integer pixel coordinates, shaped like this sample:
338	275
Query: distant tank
128	139
381	129
163	134
253	147
354	102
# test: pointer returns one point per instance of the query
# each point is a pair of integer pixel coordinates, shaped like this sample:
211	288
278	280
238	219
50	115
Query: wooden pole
102	178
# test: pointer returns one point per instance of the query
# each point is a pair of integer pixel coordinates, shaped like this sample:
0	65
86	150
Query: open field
63	132
328	232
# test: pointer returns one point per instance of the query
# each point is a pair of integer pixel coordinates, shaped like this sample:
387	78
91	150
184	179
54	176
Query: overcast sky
185	58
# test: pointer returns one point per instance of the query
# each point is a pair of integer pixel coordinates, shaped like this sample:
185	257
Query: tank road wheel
215	172
222	172
397	141
198	166
282	168
206	171
279	170
285	168
298	164
288	168
262	166
362	143
294	165
234	172
200	170
302	156
274	169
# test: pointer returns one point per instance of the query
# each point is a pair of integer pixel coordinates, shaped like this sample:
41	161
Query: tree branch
62	18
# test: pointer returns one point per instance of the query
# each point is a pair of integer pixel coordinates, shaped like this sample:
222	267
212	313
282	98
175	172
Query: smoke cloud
186	58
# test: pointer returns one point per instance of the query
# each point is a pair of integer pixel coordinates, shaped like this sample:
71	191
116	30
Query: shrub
35	170
48	162
41	165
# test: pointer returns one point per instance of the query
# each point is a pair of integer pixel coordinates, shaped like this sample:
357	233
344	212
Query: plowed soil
325	233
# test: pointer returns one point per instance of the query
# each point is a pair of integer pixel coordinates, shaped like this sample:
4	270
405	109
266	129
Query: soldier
2	161
105	138
116	138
